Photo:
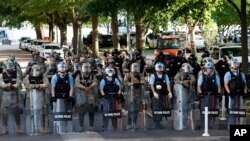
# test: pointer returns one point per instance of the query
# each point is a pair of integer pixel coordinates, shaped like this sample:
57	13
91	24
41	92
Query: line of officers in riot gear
84	82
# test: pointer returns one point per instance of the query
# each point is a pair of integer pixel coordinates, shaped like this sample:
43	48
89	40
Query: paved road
218	134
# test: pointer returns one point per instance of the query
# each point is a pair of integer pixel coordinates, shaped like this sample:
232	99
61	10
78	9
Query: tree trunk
140	33
244	37
51	28
115	30
63	33
191	32
95	43
38	31
128	32
75	36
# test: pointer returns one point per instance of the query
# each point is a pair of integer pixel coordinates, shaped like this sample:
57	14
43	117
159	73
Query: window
52	47
170	43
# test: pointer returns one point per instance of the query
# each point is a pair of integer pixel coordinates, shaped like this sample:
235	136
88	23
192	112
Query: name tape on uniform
114	114
239	112
63	116
239	132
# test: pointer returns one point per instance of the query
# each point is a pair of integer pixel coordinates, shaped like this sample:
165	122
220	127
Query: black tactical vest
9	78
162	82
36	80
236	84
110	86
209	83
62	87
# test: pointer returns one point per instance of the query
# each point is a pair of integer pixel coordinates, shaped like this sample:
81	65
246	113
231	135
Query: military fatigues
184	99
134	96
35	87
85	100
10	83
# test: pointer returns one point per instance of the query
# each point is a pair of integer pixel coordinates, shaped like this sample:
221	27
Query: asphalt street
219	133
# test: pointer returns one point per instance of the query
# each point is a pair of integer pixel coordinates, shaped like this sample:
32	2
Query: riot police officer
86	82
134	98
76	66
10	82
110	88
192	60
184	91
161	91
209	90
18	69
222	66
36	82
62	84
179	60
35	56
117	74
236	87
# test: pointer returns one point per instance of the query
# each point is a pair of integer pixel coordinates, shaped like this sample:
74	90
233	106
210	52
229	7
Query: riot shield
62	116
237	110
180	107
36	108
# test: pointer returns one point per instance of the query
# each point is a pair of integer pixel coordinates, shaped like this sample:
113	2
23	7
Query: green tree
193	13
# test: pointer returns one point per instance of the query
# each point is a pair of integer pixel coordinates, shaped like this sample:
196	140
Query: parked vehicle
233	51
21	41
199	43
168	44
105	40
47	49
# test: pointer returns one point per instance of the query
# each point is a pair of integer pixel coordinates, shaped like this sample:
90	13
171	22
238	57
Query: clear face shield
35	71
186	69
85	68
109	72
135	68
61	68
159	67
234	65
9	67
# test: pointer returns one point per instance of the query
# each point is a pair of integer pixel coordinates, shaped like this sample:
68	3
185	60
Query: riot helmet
234	64
115	52
61	67
209	65
35	70
9	66
35	56
109	71
192	58
205	54
86	67
186	67
12	57
159	66
135	67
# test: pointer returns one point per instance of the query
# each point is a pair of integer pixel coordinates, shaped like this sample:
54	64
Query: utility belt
61	95
209	93
237	92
